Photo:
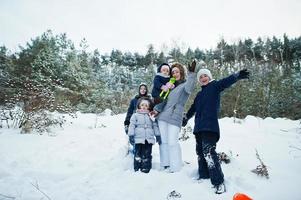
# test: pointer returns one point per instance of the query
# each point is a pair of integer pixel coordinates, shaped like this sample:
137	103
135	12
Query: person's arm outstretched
230	80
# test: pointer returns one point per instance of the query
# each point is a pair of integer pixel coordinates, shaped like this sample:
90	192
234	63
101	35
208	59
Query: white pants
170	150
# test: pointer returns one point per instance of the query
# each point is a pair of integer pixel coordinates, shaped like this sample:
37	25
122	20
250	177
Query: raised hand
243	74
191	67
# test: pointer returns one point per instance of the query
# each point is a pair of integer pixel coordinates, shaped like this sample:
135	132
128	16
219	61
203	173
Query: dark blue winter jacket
131	109
206	105
159	80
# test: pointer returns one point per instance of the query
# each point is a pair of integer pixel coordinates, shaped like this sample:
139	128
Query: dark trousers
143	157
209	166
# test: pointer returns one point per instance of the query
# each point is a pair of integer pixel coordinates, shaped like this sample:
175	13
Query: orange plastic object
241	196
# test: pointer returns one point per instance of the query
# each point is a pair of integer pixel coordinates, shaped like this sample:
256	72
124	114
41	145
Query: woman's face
176	73
142	90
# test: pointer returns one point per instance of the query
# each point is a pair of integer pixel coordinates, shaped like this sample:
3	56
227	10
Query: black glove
185	121
126	122
158	139
126	128
191	67
243	74
132	140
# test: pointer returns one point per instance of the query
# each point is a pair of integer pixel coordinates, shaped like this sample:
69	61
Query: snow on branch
261	169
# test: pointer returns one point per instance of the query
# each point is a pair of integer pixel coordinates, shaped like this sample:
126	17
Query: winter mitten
126	129
164	88
170	85
132	140
191	67
158	139
243	74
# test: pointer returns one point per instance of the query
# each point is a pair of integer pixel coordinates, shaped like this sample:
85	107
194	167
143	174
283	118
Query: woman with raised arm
170	119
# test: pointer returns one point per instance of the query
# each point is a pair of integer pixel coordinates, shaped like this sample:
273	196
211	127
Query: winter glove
243	74
185	121
158	139
126	122
132	140
170	85
191	67
126	128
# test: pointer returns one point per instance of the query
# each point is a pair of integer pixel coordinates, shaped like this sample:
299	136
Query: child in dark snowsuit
144	131
142	92
161	83
206	107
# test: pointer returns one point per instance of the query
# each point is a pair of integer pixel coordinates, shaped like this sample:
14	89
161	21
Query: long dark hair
142	84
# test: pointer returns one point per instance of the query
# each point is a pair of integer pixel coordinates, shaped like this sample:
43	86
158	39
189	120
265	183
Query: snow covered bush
4	117
12	116
41	121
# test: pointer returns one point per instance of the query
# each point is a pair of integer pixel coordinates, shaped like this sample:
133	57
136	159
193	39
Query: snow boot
219	189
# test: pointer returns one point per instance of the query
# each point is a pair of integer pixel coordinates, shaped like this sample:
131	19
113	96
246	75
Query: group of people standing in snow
159	117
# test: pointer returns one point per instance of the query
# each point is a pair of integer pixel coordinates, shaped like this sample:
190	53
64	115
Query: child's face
144	105
204	79
165	70
142	90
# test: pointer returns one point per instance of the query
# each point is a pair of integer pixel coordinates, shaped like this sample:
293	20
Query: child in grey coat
144	130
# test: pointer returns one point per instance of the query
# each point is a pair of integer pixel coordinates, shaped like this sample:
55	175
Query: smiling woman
170	119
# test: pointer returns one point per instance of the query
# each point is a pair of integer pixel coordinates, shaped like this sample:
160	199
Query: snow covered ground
87	161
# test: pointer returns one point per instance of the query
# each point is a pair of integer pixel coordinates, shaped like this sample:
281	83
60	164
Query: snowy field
87	161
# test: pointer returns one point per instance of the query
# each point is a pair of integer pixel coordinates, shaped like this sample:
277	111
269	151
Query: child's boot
219	189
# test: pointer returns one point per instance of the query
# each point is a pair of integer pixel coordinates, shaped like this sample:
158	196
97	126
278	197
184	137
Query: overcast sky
130	25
